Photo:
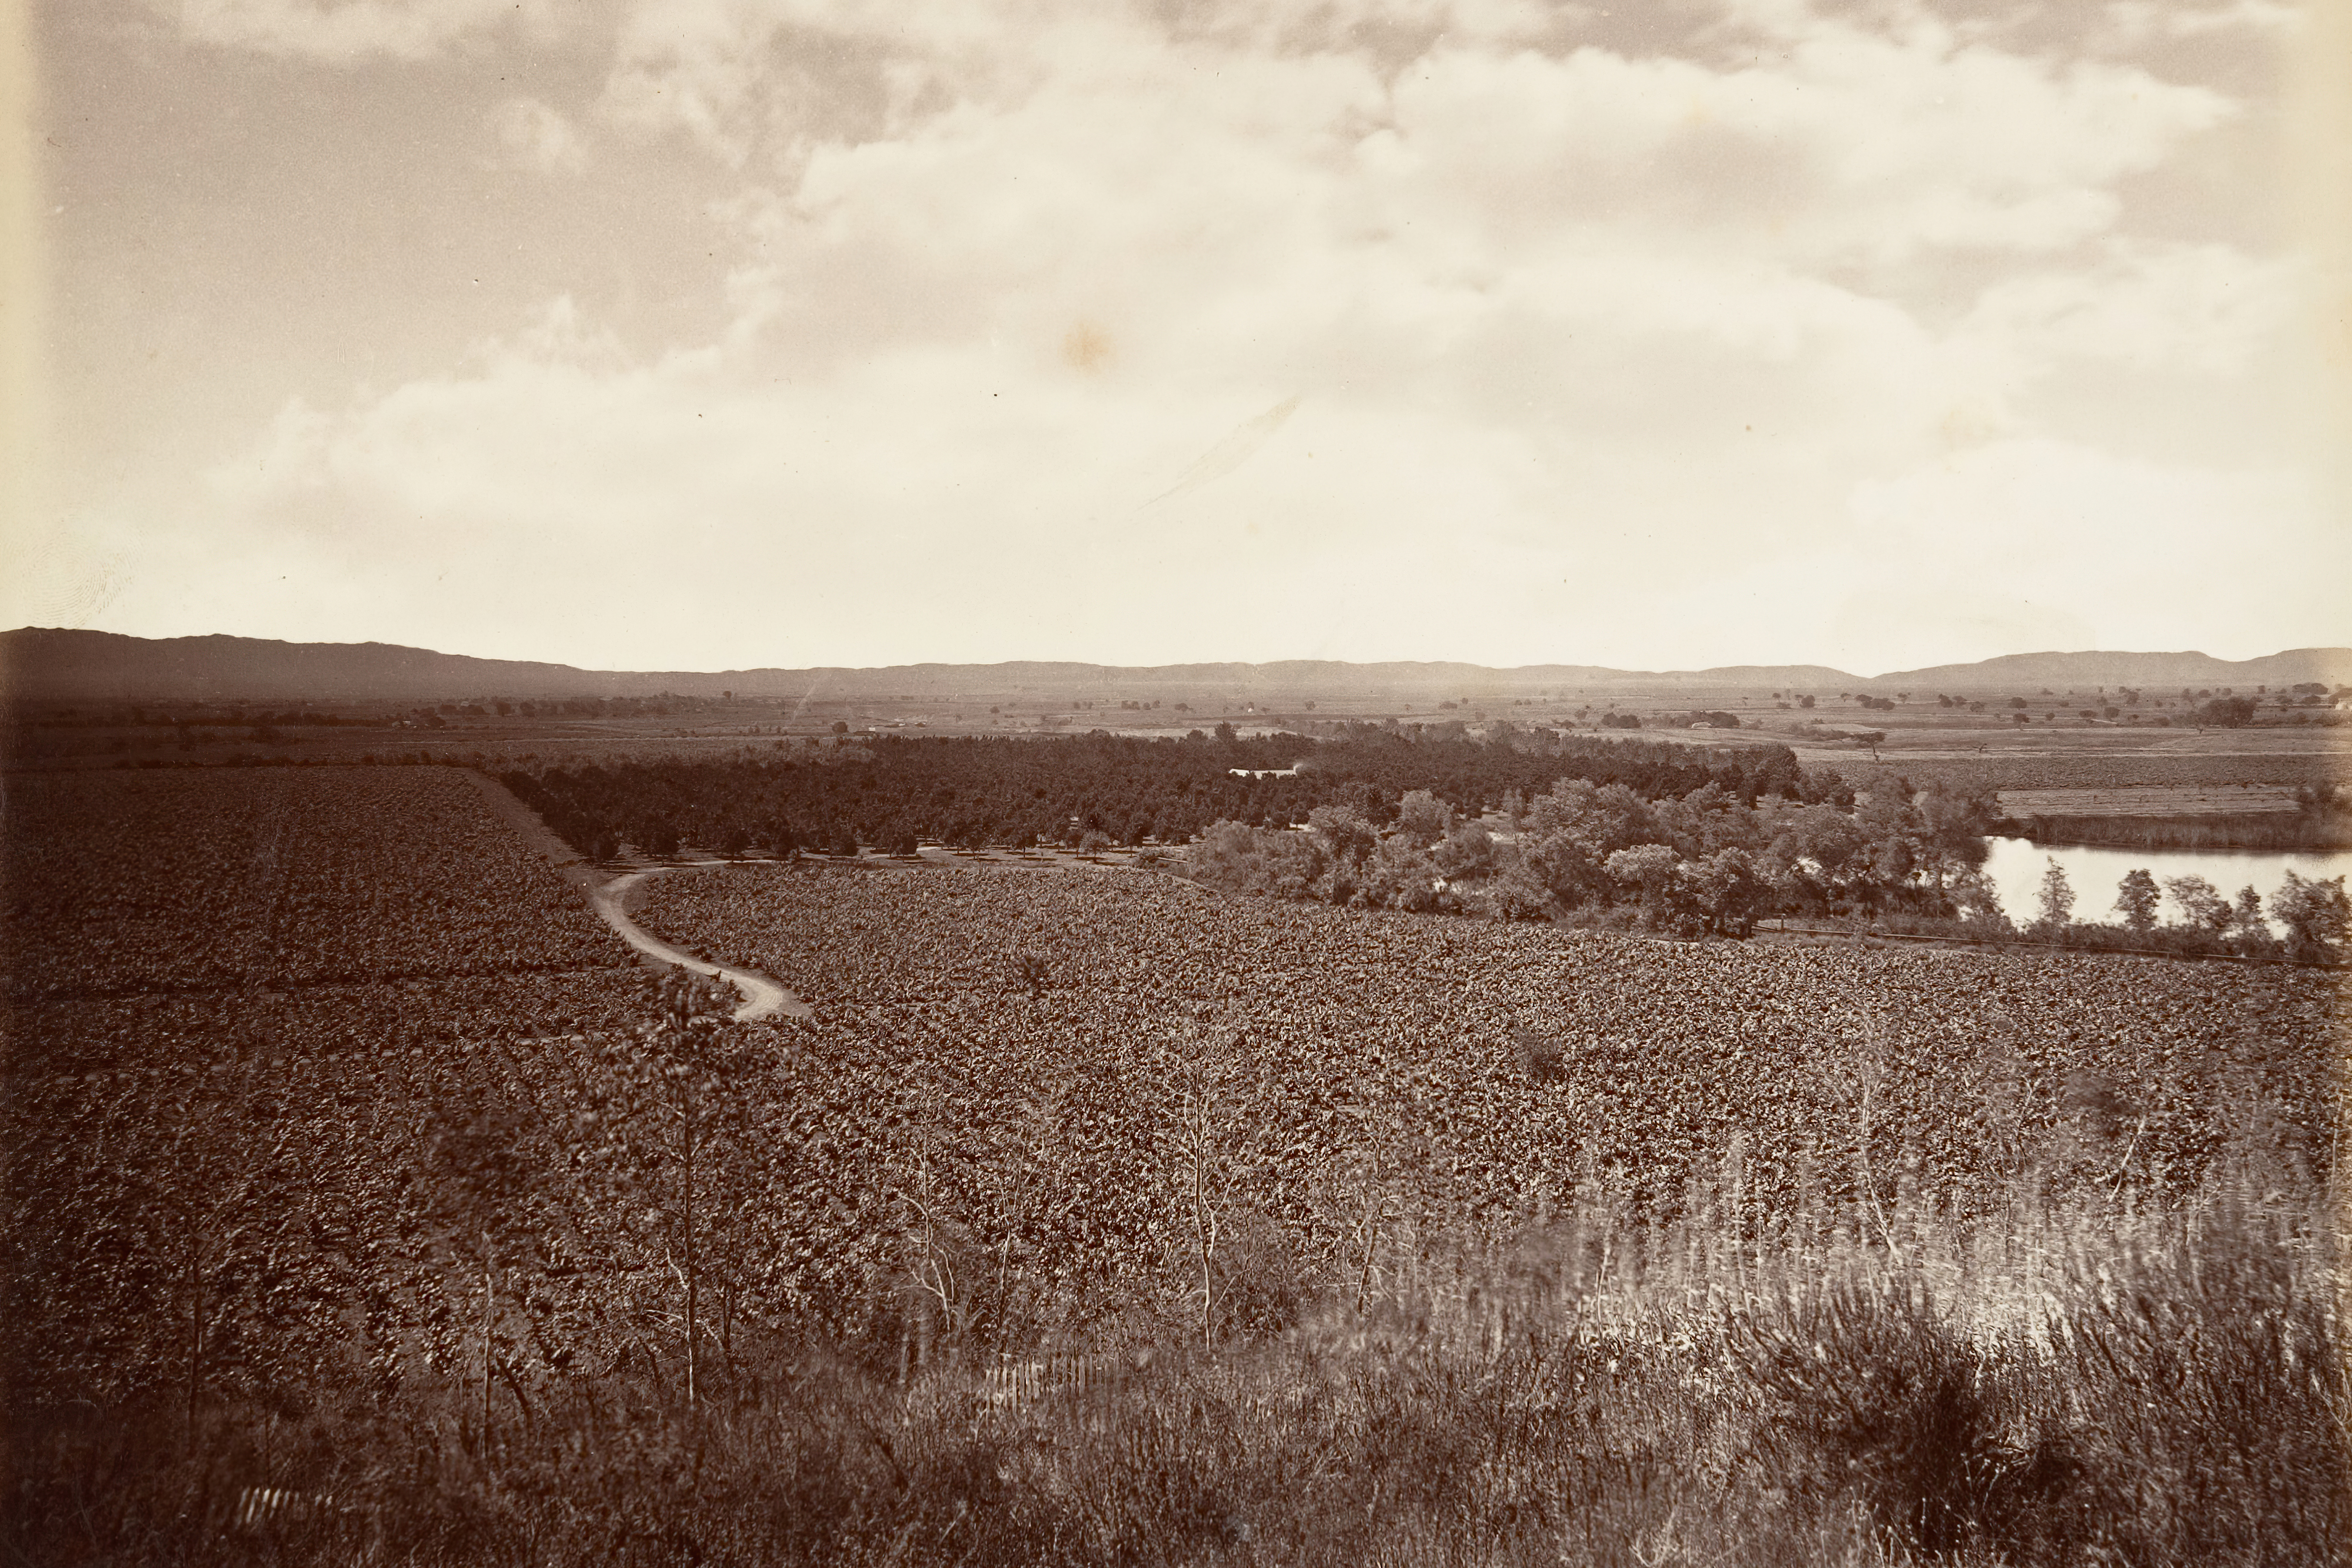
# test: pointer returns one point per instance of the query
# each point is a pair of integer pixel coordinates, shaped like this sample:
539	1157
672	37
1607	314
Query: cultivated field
2148	801
2286	757
364	1205
239	1003
185	879
1319	1024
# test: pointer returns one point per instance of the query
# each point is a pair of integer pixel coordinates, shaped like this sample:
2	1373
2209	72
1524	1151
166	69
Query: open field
1669	1050
1981	748
2282	758
353	1215
2148	801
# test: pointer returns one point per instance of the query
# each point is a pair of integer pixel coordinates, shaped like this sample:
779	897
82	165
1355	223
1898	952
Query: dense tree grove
1705	860
888	793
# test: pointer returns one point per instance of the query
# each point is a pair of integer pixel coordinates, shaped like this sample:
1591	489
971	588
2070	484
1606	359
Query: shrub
1539	1056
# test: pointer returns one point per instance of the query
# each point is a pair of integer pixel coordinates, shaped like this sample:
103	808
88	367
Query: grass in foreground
2088	1382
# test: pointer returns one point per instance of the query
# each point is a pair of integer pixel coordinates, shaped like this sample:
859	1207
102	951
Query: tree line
2311	915
1702	861
889	792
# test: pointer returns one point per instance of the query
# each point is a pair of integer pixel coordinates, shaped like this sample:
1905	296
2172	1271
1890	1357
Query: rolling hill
47	664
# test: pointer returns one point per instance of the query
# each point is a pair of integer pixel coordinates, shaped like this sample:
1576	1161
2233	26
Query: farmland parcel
1096	1218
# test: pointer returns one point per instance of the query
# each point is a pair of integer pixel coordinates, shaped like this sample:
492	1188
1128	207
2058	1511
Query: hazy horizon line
1759	666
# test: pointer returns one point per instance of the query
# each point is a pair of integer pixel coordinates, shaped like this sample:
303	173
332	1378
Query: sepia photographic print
1148	782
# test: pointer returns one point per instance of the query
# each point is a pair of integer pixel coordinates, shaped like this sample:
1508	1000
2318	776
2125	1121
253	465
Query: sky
707	334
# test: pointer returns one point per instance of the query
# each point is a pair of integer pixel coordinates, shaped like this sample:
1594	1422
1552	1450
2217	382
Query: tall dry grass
2089	1377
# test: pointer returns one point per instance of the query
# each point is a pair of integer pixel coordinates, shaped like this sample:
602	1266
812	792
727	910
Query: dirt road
762	998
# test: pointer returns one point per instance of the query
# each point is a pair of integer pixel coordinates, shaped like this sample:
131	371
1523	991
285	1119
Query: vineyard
365	1203
239	1003
1483	1067
189	880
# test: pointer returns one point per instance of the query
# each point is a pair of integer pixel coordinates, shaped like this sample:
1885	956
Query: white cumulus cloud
346	31
533	135
1593	352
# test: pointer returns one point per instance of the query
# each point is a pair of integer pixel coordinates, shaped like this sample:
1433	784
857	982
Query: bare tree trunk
487	1295
195	1341
1375	1206
691	1279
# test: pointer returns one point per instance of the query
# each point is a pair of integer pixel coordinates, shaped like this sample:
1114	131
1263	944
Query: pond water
2017	864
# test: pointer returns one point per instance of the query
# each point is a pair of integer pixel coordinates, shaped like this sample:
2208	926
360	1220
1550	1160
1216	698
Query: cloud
343	32
533	136
2131	23
2208	308
1579	350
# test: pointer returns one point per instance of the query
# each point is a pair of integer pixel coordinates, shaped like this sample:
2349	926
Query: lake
2016	867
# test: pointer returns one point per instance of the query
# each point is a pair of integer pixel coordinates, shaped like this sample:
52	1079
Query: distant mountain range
43	665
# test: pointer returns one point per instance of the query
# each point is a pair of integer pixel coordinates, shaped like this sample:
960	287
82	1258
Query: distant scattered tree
2230	713
2202	907
1669	901
2317	913
1344	832
2136	899
1423	817
2056	898
1978	901
840	726
1468	850
1033	969
2248	915
1730	891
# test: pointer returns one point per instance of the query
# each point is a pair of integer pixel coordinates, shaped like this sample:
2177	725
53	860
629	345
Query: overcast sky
718	334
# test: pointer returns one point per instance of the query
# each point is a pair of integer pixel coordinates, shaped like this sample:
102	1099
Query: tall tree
2248	915
2202	906
2317	913
2056	898
1423	817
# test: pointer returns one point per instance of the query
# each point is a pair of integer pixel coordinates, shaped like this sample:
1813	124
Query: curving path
762	998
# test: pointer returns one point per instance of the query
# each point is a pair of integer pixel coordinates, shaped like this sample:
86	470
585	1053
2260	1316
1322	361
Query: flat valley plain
2057	748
